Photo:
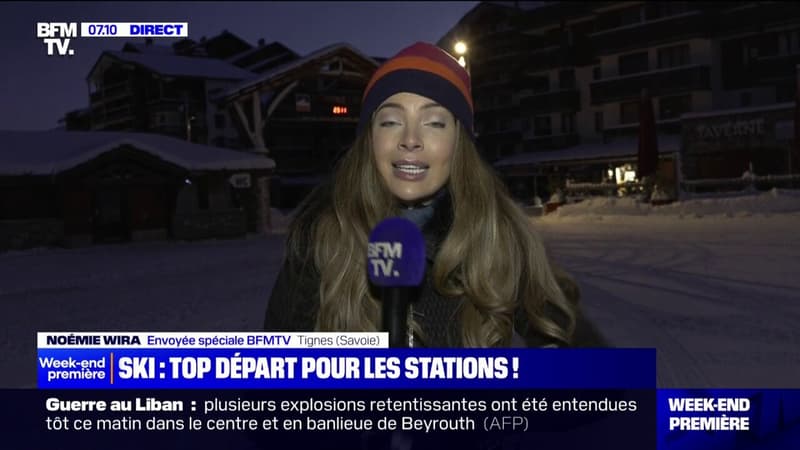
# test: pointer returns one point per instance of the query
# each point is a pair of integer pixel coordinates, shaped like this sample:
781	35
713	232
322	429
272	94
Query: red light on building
339	110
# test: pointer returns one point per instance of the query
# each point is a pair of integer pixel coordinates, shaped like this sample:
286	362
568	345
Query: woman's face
414	139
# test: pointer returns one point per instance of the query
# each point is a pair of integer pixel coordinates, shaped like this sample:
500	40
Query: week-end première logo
59	36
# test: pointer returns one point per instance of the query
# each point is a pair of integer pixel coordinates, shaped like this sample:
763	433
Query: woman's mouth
411	171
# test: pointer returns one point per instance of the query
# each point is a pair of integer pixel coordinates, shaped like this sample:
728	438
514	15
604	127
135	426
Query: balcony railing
487	36
488	82
506	109
174	104
565	100
578	53
510	136
658	83
646	34
553	141
772	68
111	92
744	17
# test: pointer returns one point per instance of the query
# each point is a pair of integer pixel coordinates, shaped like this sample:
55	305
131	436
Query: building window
596	74
629	112
630	16
503	99
789	42
567	123
542	126
750	52
540	84
673	107
503	125
746	99
768	45
219	120
552	37
674	56
619	18
481	103
784	93
525	123
598	121
490	126
658	10
566	79
633	63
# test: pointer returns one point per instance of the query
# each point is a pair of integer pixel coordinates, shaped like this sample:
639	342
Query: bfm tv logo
57	36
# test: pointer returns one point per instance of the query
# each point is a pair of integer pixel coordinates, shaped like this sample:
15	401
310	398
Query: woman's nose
411	141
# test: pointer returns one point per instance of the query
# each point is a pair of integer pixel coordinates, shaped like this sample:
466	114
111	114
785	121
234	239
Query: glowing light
462	61
460	48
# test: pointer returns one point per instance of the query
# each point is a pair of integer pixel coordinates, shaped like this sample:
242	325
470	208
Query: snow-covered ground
711	283
715	293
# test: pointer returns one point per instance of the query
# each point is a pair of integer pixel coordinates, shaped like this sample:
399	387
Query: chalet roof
272	46
284	69
182	66
142	47
55	151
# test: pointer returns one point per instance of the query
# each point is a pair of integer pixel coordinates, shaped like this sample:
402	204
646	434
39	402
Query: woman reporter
488	281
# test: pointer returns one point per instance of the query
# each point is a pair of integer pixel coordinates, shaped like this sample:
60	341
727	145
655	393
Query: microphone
396	263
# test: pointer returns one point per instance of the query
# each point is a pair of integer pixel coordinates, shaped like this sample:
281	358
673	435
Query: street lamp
461	49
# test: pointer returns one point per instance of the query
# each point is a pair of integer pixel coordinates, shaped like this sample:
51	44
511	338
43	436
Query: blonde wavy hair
491	257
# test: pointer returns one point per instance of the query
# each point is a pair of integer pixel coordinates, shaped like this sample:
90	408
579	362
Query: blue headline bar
347	369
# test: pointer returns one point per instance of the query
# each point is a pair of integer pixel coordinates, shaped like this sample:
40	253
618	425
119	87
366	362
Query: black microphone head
396	253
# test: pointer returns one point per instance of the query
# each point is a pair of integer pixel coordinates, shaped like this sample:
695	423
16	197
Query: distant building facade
307	118
224	92
76	188
569	76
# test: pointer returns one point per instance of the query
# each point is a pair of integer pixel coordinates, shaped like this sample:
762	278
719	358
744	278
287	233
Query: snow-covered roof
527	6
620	147
233	58
282	69
52	152
142	47
184	66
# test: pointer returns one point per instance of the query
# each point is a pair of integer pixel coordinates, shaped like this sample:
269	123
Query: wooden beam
237	105
258	132
278	99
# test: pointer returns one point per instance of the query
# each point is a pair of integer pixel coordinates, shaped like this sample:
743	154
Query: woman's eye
388	123
437	124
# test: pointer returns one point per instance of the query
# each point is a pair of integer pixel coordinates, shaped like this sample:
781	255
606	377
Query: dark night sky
36	90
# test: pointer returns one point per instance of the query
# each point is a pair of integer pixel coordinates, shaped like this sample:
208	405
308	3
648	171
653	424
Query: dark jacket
294	302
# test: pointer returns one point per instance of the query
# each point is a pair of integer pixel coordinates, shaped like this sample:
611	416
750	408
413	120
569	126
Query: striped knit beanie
426	70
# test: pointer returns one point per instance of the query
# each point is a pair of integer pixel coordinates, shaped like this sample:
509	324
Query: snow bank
776	201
